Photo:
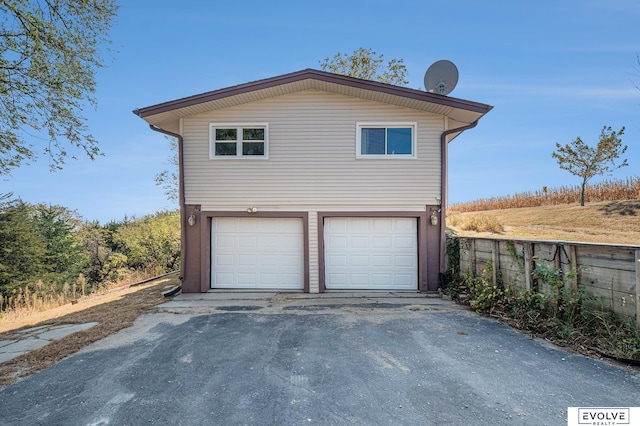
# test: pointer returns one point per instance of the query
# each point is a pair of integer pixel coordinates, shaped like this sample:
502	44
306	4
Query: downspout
443	190
181	201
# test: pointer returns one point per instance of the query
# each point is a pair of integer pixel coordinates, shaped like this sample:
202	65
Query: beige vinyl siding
314	279
312	160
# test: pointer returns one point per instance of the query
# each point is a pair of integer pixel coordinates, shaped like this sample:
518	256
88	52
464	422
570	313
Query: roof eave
167	108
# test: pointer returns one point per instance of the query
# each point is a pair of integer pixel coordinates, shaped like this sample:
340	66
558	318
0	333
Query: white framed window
386	140
239	140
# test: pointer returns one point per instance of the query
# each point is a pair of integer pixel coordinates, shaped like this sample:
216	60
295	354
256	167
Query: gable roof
167	114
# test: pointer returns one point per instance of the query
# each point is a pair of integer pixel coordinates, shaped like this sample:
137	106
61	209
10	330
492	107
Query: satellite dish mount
441	77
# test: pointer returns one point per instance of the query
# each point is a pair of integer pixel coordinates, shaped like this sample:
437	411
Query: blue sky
553	70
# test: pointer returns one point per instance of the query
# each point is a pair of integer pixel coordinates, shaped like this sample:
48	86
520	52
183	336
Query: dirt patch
112	311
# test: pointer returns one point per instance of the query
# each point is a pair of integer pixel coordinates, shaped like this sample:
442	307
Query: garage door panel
291	243
380	279
225	241
247	241
402	280
272	225
335	226
382	242
404	225
291	260
223	260
268	260
360	242
269	279
382	225
337	279
404	261
359	260
336	242
269	242
257	253
334	261
371	253
249	259
228	223
405	242
384	260
246	279
223	277
360	227
361	280
289	280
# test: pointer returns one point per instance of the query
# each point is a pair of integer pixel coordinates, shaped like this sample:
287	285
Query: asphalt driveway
302	359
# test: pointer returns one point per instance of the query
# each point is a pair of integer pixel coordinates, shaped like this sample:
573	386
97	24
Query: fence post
528	265
557	256
573	262
495	260
638	288
472	257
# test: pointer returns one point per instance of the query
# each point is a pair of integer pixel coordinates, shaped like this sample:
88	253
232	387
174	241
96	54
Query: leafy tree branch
586	161
49	53
367	64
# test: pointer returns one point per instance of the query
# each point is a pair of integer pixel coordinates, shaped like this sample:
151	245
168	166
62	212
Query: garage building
313	181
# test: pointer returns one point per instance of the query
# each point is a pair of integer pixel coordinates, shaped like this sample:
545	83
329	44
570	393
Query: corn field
608	190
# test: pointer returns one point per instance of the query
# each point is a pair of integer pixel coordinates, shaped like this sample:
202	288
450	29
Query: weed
563	302
483	296
482	223
616	335
38	297
517	258
452	272
560	316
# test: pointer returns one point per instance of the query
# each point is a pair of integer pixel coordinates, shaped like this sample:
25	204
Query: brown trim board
422	241
328	77
205	240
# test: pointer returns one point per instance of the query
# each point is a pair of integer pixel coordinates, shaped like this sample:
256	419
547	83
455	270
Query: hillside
616	222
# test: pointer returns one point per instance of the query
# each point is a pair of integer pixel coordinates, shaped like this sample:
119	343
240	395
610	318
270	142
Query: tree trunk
584	184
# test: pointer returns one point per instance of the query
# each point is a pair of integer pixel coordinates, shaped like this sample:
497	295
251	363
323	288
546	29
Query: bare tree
168	179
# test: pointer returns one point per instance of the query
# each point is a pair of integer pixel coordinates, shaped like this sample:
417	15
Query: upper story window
233	140
386	140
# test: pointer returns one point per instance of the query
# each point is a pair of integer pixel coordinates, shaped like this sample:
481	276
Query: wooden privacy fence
609	273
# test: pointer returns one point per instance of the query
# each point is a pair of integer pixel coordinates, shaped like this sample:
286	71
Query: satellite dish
441	77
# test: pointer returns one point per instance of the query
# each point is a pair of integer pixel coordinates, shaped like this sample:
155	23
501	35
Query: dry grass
476	223
40	297
616	222
112	311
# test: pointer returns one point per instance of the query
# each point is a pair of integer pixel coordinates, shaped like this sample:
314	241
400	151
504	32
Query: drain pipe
443	191
183	207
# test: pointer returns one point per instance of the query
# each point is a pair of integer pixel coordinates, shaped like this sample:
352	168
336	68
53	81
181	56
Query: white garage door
257	253
367	253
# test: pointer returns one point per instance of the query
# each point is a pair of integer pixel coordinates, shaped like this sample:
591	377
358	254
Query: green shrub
562	303
483	295
560	315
